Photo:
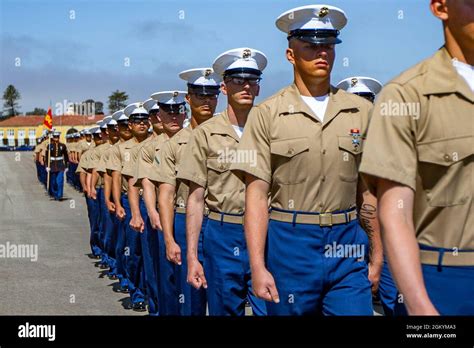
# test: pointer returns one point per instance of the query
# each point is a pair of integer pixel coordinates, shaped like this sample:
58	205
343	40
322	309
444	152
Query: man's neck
312	87
169	134
196	121
141	138
238	115
462	54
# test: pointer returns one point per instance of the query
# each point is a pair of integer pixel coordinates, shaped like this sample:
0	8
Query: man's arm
368	218
136	222
255	226
94	178
149	195
66	156
401	247
117	192
90	188
108	193
194	217
166	204
82	180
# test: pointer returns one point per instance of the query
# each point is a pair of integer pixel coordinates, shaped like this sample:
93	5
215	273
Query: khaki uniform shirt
119	157
207	160
40	149
83	162
83	146
94	160
148	160
170	158
132	151
104	158
422	136
311	167
71	147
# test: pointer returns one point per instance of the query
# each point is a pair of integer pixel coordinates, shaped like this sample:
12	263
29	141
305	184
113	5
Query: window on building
31	137
10	133
21	137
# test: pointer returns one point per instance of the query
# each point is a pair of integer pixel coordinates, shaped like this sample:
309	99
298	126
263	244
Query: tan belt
322	219
182	210
232	219
461	258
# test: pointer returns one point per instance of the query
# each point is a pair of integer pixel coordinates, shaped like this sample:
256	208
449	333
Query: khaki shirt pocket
444	170
349	159
290	160
216	167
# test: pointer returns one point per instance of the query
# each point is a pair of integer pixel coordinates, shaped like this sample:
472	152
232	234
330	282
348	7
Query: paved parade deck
63	279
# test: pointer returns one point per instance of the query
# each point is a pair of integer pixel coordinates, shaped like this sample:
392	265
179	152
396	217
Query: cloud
35	52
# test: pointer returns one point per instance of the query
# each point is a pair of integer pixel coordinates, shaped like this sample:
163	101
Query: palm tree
117	101
11	96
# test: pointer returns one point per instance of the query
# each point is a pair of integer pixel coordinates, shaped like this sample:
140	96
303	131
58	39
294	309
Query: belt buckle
322	215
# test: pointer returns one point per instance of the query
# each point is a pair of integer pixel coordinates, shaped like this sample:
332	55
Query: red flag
48	119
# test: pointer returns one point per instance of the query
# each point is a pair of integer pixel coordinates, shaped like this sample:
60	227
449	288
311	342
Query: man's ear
258	91
158	117
290	55
223	88
187	97
439	9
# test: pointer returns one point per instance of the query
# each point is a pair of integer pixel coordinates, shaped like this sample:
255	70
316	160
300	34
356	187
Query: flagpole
49	149
49	162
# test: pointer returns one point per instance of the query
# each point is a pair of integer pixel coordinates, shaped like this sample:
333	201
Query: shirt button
241	211
447	158
221	166
291	151
323	151
323	179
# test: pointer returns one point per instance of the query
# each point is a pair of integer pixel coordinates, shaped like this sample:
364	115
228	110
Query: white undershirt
238	130
318	105
466	71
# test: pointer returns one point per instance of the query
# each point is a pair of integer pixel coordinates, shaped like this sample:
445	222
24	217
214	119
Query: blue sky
81	58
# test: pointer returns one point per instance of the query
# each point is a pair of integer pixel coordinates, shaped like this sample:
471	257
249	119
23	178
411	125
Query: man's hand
375	270
48	169
110	206
120	212
155	221
137	223
173	252
93	193
263	286
196	274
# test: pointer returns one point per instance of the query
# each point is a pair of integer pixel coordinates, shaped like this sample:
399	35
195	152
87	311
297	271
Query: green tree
117	101
11	96
37	111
